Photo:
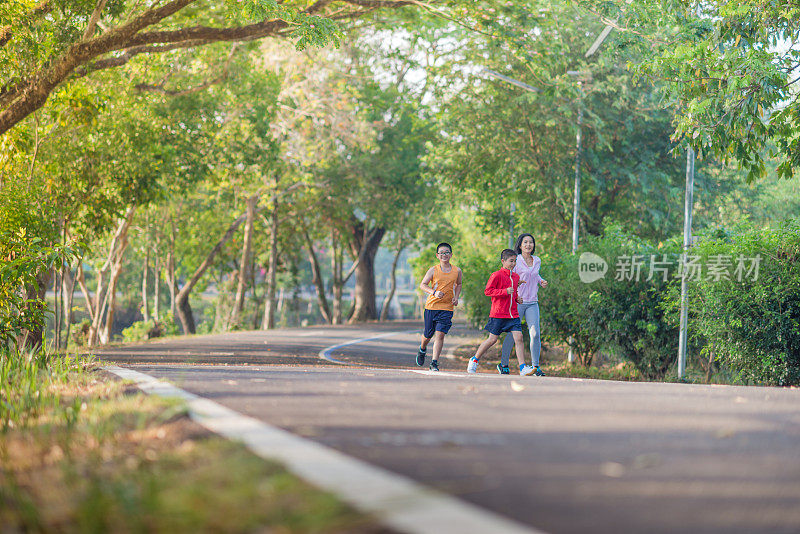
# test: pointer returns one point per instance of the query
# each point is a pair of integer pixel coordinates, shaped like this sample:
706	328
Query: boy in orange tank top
442	283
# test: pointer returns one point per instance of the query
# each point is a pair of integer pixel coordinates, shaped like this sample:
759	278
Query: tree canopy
46	44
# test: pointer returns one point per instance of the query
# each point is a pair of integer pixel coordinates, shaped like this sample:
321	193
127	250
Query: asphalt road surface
562	455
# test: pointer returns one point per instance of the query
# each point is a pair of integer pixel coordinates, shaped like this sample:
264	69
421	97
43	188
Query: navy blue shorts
497	326
437	320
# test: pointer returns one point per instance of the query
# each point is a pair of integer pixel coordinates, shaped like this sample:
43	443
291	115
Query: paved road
562	455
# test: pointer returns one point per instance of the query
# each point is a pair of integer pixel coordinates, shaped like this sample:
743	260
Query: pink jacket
530	275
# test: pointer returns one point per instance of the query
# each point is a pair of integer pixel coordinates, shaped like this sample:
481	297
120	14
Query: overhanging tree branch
33	93
21	98
90	27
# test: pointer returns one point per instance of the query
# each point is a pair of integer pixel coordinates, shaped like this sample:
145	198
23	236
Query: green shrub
79	333
24	259
752	323
151	329
476	270
622	312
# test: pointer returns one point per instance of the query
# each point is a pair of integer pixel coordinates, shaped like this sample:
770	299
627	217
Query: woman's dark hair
518	246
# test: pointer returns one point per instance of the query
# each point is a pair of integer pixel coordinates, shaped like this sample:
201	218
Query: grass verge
81	452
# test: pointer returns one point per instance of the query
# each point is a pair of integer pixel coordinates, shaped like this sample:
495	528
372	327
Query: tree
500	145
48	44
729	69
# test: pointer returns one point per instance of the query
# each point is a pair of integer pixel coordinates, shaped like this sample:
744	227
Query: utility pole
576	202
687	243
511	231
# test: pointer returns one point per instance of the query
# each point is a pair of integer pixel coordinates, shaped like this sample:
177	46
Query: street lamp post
577	194
687	242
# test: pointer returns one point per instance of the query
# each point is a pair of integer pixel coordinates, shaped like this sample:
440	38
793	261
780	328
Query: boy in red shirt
502	287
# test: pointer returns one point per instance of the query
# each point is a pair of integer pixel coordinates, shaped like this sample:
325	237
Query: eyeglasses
445	253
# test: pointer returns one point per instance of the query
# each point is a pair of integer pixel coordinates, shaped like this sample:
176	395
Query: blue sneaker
421	356
434	365
503	369
538	372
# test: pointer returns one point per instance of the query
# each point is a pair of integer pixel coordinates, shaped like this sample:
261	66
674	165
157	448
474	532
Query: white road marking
396	501
325	353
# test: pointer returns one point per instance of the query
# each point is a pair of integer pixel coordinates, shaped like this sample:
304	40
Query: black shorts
497	325
437	320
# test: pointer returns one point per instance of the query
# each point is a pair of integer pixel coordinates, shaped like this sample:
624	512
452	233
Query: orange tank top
444	282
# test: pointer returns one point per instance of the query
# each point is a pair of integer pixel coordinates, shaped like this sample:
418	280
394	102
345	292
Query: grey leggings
529	310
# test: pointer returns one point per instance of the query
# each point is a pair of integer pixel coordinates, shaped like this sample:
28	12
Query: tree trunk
393	286
336	284
269	307
220	304
182	306
322	299
57	310
68	288
257	301
145	310
35	338
171	270
113	264
244	264
364	245
185	315
156	284
340	280
116	270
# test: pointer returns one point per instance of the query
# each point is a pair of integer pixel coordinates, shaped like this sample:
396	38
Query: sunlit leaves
730	69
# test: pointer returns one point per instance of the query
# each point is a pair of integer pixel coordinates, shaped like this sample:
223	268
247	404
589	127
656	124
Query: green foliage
79	333
730	69
476	269
621	312
307	30
26	254
500	144
750	319
144	330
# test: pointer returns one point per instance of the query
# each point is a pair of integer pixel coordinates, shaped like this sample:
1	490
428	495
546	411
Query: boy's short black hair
444	245
507	253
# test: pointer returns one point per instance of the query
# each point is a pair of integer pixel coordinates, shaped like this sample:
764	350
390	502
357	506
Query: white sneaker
526	370
472	366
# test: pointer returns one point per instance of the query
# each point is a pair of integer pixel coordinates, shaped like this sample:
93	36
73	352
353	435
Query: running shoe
526	370
434	365
421	356
503	369
472	366
539	372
